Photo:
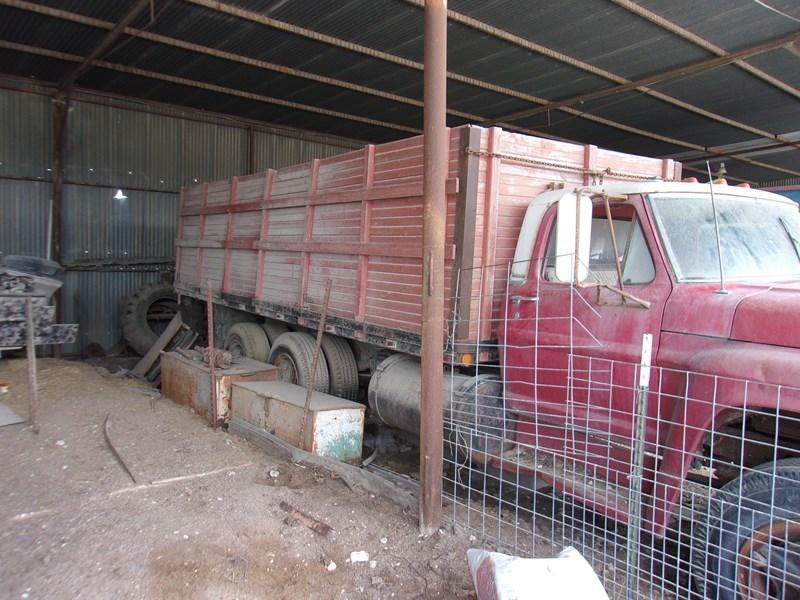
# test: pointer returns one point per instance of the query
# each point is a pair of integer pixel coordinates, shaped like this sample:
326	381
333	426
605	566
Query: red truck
559	257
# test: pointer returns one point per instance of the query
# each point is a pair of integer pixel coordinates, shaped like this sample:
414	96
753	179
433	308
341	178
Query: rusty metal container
187	381
334	426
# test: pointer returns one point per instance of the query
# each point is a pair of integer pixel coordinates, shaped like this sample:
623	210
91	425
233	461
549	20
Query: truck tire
146	315
739	518
293	354
249	340
274	329
342	367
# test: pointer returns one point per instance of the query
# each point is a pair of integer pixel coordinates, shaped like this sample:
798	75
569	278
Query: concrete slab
334	427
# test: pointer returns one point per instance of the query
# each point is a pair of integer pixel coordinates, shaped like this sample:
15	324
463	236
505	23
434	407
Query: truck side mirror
573	233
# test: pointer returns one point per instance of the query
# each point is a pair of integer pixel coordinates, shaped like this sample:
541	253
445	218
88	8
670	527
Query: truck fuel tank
474	414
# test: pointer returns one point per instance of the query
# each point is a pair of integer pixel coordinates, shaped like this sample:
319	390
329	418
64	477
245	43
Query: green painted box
334	427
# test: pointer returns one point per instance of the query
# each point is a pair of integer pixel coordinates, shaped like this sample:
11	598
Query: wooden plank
384	192
488	254
147	361
466	229
366	248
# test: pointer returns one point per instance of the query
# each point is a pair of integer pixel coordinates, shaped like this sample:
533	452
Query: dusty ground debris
200	522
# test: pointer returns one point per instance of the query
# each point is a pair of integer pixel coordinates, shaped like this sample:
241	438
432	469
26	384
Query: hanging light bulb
120	195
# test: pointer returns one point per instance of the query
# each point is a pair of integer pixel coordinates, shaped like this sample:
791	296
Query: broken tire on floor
274	329
342	367
147	314
248	340
293	354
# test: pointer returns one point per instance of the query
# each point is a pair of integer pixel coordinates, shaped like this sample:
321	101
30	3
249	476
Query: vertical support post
434	210
60	112
635	499
212	354
33	384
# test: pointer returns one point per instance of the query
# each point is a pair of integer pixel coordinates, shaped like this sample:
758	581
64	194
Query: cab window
634	255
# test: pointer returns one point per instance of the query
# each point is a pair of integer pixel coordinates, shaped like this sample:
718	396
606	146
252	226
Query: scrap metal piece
114	450
313	524
33	384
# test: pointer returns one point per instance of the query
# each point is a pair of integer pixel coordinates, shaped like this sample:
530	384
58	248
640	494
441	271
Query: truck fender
709	401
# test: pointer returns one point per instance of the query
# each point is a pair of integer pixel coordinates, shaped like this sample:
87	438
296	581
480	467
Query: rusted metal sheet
187	381
334	428
273	238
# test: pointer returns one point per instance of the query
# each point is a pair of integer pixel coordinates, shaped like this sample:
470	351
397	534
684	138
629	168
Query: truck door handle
516	299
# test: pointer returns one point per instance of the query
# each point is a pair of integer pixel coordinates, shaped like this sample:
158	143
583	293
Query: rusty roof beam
670	75
238	58
203	86
337	114
676	29
253	17
267	21
599	72
65	85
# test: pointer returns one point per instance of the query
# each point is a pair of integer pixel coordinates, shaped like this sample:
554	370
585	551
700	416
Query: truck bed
268	242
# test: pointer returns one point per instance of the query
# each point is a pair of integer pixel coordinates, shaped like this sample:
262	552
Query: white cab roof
653	187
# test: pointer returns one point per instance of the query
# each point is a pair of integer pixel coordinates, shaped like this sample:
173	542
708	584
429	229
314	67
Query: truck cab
598	267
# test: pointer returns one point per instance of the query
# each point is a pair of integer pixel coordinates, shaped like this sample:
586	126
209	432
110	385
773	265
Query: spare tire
293	354
147	314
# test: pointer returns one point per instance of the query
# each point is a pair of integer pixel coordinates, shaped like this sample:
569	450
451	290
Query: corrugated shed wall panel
271	151
94	300
26	135
98	226
25	209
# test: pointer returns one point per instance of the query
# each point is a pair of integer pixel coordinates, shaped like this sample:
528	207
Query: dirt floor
76	526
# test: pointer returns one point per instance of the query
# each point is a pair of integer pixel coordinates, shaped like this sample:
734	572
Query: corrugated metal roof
598	32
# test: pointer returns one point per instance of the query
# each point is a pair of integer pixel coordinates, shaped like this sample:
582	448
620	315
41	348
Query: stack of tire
293	353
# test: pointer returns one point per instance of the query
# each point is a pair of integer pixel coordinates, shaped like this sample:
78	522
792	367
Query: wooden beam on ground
149	359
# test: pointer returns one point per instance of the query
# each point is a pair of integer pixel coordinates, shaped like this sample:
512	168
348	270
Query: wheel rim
768	564
287	370
235	348
160	313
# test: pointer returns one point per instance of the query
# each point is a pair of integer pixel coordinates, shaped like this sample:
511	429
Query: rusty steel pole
435	208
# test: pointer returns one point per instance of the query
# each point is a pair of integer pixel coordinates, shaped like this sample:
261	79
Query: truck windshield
759	239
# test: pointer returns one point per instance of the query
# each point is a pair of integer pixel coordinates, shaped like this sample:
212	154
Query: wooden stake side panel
355	218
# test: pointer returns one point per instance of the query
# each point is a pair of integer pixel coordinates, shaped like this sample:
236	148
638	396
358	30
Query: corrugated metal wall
146	151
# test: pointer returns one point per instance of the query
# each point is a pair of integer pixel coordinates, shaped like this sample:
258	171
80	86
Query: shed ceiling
689	80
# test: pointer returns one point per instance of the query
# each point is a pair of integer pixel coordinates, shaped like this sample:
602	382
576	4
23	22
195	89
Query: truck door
568	358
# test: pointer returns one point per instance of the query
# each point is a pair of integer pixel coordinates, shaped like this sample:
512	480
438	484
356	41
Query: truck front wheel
749	545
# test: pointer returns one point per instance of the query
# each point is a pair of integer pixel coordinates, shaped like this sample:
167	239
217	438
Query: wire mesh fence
673	482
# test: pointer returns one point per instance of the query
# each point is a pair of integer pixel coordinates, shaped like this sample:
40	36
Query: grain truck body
268	242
